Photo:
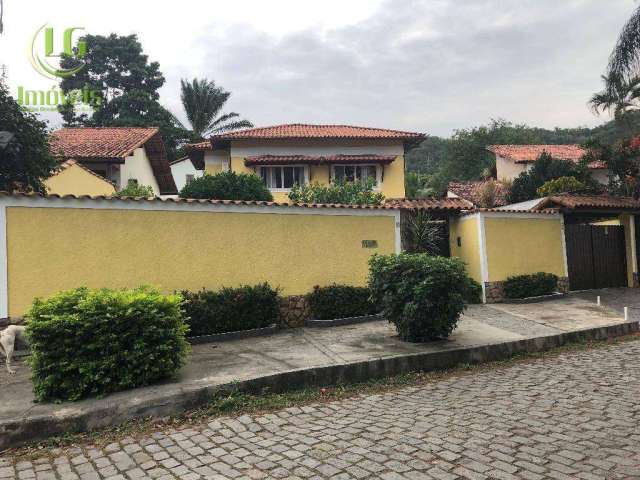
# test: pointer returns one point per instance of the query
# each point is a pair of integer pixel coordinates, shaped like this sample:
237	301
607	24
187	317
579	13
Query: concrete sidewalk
372	347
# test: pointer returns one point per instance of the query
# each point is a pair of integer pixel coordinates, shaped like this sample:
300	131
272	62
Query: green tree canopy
203	101
345	193
25	160
116	67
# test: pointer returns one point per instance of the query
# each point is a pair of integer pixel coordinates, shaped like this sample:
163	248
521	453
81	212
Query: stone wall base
294	311
494	291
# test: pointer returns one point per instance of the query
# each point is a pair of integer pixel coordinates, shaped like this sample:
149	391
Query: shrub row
341	301
536	284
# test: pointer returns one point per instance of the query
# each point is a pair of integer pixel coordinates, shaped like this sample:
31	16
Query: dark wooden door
596	256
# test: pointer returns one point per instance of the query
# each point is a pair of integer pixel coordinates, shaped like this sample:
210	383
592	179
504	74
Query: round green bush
227	186
93	342
422	295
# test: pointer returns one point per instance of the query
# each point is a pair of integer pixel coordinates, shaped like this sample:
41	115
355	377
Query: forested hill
463	156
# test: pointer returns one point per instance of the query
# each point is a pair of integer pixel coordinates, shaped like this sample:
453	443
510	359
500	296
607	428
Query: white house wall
180	170
137	167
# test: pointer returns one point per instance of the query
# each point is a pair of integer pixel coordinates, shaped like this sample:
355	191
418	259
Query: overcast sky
424	65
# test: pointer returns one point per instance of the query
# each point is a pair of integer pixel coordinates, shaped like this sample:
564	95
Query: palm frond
625	58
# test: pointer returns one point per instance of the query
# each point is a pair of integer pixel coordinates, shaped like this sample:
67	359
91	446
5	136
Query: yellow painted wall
75	180
52	249
469	250
212	169
625	220
517	246
320	173
393	184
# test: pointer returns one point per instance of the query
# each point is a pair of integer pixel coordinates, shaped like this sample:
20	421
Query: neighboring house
285	155
472	192
122	155
72	178
512	160
184	172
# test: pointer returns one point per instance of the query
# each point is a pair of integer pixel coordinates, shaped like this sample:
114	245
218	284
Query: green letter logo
42	66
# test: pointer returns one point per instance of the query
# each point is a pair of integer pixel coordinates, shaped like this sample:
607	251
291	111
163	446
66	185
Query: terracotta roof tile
472	191
530	153
100	142
200	201
299	130
572	201
317	159
442	204
199	146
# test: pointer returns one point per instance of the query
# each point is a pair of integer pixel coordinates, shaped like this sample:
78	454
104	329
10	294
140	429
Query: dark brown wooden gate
596	256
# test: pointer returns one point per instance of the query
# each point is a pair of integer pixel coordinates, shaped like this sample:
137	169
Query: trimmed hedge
93	342
534	285
340	301
423	296
473	291
231	309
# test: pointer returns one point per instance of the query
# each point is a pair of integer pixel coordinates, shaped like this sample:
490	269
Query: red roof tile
101	142
472	191
442	204
317	159
199	146
299	130
115	143
198	201
573	201
530	153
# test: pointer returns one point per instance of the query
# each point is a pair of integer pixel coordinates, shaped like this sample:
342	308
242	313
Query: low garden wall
49	244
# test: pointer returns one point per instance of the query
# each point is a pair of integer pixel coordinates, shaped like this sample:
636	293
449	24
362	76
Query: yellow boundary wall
52	244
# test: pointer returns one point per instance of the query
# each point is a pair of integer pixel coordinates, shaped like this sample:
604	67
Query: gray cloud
427	65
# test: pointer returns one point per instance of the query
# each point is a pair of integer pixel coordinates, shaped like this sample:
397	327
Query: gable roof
115	143
71	162
530	153
301	130
472	191
576	202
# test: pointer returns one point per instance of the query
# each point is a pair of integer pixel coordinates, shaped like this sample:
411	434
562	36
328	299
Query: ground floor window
283	177
355	173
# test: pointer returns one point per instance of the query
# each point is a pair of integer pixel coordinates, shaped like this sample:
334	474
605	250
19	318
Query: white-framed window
283	177
357	173
189	177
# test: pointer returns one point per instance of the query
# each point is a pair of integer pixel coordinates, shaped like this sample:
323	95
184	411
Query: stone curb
343	321
222	337
539	298
147	403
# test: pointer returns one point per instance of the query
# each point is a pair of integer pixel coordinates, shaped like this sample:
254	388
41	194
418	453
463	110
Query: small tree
227	186
488	194
623	162
25	160
135	190
345	193
422	234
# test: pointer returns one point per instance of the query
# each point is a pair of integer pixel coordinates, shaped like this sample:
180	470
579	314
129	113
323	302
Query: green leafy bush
227	186
231	309
346	193
561	185
423	296
340	301
473	291
522	286
135	190
94	342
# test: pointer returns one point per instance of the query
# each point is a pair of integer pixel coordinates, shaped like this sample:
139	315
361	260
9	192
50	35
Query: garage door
596	256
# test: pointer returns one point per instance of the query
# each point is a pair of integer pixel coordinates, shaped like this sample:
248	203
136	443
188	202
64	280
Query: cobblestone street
567	417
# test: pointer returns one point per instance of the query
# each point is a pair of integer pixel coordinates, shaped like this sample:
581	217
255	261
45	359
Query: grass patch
234	402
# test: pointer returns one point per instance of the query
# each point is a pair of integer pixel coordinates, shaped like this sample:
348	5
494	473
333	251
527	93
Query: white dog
8	339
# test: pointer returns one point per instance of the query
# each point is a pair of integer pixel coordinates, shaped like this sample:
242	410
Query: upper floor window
283	177
189	178
355	173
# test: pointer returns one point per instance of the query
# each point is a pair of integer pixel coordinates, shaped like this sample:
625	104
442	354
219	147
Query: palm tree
619	96
624	61
202	101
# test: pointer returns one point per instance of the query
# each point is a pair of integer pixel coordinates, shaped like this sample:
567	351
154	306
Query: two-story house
285	155
122	155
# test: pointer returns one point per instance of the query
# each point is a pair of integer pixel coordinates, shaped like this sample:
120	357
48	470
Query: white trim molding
398	232
4	265
484	264
563	239
632	236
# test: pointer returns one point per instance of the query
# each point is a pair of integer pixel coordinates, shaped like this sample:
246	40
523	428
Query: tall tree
203	101
618	97
25	160
117	68
624	62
